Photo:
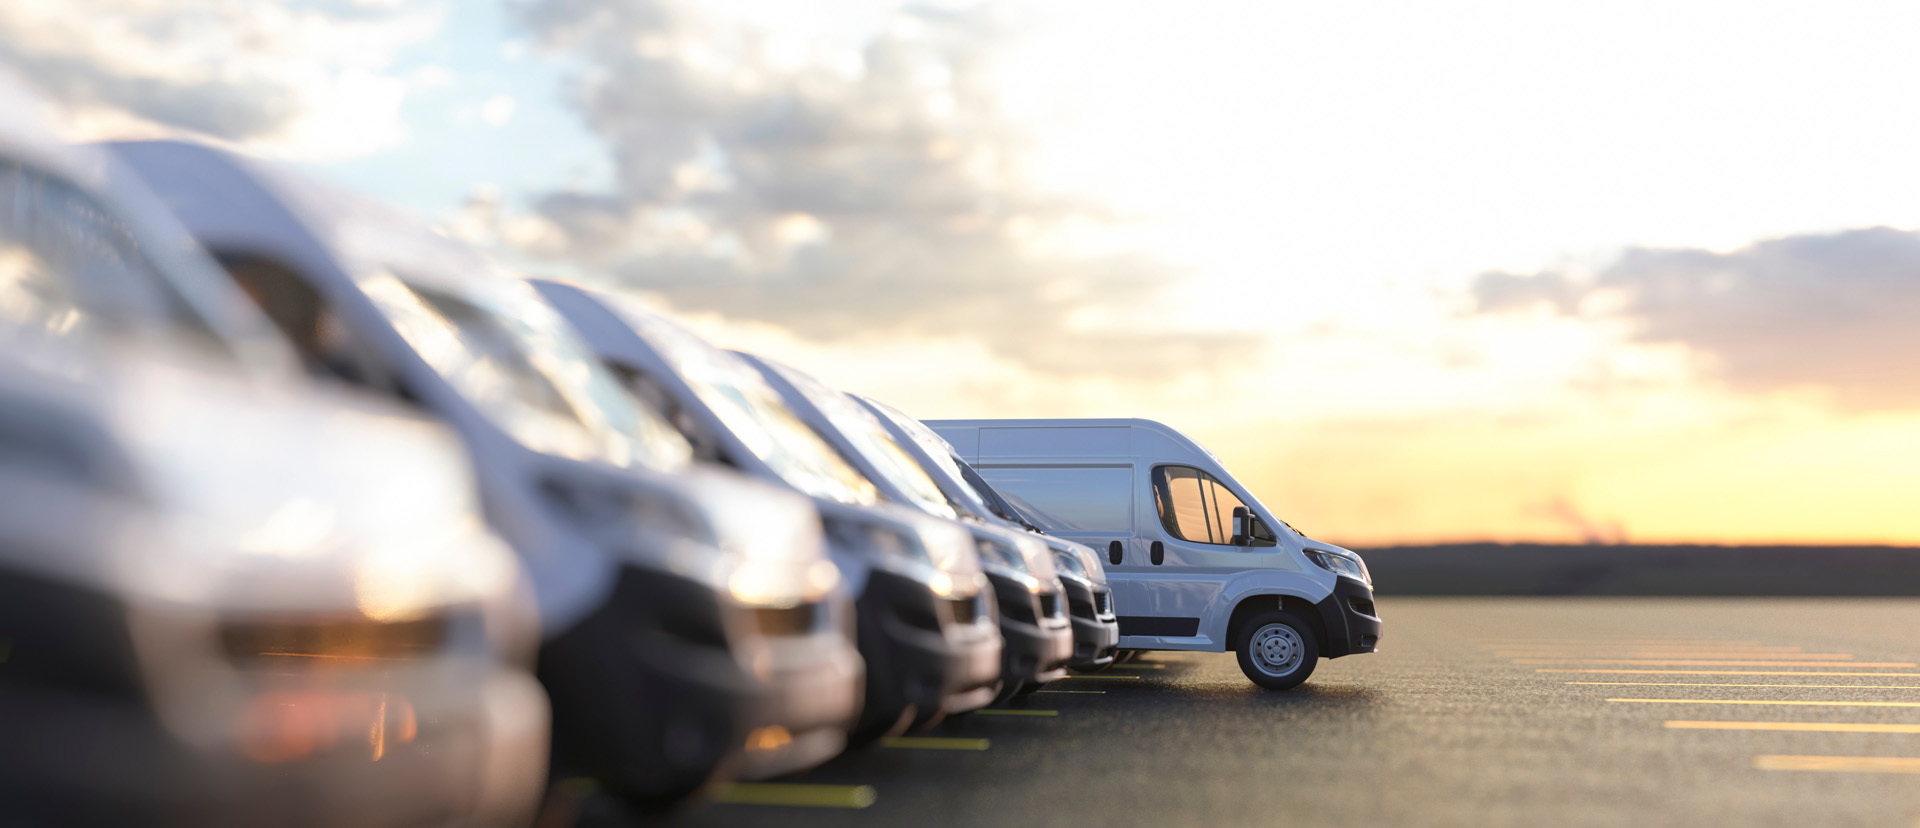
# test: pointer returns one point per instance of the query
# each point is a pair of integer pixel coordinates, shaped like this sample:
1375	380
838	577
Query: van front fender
1271	583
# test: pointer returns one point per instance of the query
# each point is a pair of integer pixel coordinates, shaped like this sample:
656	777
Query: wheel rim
1276	650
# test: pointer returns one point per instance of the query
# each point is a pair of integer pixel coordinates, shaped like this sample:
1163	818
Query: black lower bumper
1096	637
1038	643
647	697
909	655
1352	623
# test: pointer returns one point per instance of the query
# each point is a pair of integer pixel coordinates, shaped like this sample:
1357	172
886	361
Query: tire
874	726
1008	690
1277	649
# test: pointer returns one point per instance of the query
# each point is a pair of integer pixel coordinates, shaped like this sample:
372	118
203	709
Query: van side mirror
1242	526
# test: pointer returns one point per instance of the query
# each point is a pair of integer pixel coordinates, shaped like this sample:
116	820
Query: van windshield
872	441
72	269
512	358
972	499
748	407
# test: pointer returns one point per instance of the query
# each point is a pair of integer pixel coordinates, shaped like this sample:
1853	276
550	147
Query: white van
1196	561
693	625
1096	633
1026	582
927	625
214	609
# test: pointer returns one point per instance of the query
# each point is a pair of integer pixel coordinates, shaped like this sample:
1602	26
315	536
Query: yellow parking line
1105	678
1081	692
1015	712
1793	702
1673	654
933	743
1722	684
1724	673
1138	667
1796	727
1496	642
796	795
1839	764
1710	662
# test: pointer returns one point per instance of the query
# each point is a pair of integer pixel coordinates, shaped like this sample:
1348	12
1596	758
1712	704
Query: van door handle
1157	553
1113	552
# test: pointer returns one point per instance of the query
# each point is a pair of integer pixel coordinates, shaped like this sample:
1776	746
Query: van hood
224	495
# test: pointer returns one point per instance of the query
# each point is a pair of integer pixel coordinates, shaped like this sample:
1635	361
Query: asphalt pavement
1476	712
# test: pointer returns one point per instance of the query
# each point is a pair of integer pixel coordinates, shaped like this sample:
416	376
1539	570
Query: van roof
27	136
231	202
1154	426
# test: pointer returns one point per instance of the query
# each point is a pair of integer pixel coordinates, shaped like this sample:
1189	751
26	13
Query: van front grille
1102	603
339	640
1361	605
965	610
1050	604
785	621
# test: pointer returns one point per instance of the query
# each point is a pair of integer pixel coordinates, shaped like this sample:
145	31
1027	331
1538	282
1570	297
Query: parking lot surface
1476	712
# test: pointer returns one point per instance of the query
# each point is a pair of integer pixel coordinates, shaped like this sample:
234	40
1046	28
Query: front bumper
808	695
477	758
1039	639
1096	634
646	691
916	656
973	663
1351	621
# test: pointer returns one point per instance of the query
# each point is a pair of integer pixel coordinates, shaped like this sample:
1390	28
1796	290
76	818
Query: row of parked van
312	515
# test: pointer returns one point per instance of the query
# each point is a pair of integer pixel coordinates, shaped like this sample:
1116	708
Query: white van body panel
1095	477
342	244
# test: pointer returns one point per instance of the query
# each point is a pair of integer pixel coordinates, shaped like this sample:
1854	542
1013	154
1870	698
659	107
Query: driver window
1196	507
652	394
304	317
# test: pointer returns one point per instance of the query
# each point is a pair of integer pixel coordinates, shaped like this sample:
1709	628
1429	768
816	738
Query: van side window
1194	506
648	391
325	345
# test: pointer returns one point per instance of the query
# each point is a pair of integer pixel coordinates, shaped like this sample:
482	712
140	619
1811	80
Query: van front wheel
1277	650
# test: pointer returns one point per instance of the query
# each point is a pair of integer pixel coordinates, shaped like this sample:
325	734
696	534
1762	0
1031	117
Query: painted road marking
933	743
1722	684
1498	642
1644	655
1725	673
1105	678
1770	701
1016	712
1080	692
1138	667
1796	727
1709	662
1839	764
796	795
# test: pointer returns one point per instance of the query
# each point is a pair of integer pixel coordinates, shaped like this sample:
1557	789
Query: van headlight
1013	559
1341	563
875	538
1071	564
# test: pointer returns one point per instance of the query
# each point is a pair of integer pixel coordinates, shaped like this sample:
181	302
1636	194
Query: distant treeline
1636	569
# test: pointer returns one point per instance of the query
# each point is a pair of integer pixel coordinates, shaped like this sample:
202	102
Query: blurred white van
694	628
1096	632
1196	561
1026	583
217	605
927	622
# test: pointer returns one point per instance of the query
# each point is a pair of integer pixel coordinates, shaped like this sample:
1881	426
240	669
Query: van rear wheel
1277	649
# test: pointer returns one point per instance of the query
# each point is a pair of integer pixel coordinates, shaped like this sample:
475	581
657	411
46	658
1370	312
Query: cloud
302	77
843	187
1833	311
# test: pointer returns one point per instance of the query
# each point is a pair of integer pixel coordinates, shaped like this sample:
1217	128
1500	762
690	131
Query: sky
1416	271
